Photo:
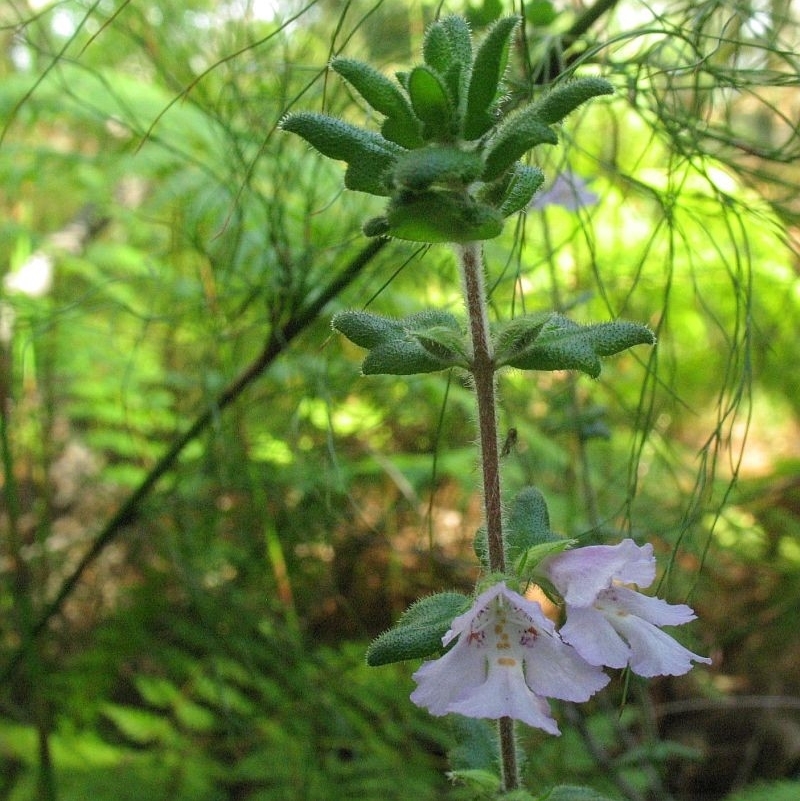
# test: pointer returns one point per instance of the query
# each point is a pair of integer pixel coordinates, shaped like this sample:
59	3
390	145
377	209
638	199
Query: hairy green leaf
371	174
516	336
431	102
448	50
566	792
487	72
419	631
386	97
528	538
476	746
336	138
402	357
443	165
565	345
458	34
528	522
522	186
366	329
614	337
442	216
370	157
420	343
515	136
559	102
437	48
444	343
481	783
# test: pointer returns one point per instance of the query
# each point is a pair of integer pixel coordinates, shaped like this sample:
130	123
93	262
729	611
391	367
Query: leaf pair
553	342
420	343
370	157
432	340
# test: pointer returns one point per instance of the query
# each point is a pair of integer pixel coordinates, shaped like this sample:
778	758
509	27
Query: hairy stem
508	754
470	258
483	375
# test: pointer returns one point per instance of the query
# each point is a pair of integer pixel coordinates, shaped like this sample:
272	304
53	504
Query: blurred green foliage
214	647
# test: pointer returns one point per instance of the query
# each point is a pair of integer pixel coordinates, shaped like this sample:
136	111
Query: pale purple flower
612	625
507	660
569	191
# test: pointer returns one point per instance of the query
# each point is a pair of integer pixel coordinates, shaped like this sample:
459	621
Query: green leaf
460	38
370	156
141	726
566	792
559	102
404	132
336	138
517	335
519	795
614	337
478	781
402	357
420	343
480	545
476	746
437	48
448	50
565	345
431	102
419	631
487	72
442	216
386	97
522	186
371	174
444	343
430	318
528	538
440	165
366	329
528	522
515	136
527	562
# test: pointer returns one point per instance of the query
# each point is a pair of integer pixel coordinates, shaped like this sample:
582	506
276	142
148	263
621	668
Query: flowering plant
449	162
509	657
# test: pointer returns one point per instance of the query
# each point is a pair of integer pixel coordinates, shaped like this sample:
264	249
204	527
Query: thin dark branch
557	61
277	342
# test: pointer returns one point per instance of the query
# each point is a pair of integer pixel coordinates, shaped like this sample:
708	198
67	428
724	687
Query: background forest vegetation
207	513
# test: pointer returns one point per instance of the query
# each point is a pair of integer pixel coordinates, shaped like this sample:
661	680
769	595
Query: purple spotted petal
506	661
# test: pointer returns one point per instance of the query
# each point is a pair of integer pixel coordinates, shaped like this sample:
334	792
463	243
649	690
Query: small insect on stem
511	441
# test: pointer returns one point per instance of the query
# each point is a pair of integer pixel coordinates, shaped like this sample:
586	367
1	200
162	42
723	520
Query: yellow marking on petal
506	661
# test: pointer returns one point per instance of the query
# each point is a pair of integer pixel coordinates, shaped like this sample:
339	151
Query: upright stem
470	257
483	375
